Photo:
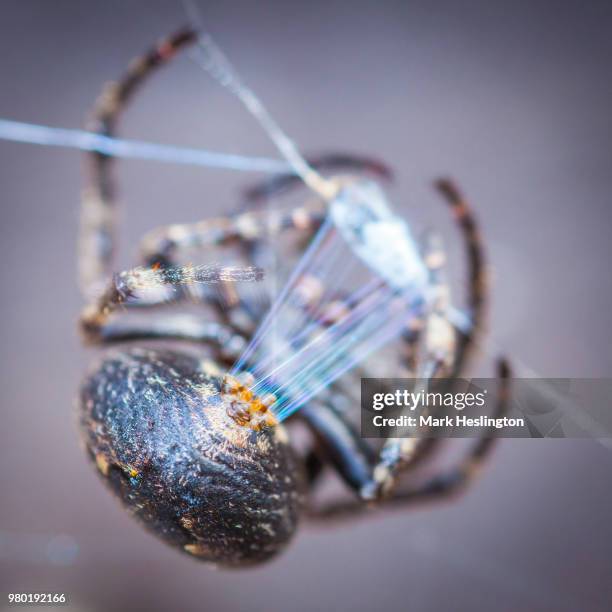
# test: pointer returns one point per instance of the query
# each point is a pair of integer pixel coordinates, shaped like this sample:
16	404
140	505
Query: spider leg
374	478
163	246
340	442
148	287
447	348
182	327
450	482
438	339
97	242
477	271
354	459
258	193
98	232
438	336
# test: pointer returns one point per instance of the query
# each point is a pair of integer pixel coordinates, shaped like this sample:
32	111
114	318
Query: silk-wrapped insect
191	439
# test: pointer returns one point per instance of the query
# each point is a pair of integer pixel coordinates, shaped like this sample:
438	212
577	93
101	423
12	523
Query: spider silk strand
31	133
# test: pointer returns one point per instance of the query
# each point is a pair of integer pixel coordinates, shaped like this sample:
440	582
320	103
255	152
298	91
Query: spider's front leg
150	287
161	246
98	239
164	245
99	213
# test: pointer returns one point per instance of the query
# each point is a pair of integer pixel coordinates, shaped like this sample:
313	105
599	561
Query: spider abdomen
157	428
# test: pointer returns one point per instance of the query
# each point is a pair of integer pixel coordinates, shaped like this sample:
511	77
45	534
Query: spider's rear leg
374	478
447	349
449	482
369	474
439	346
224	339
477	271
339	442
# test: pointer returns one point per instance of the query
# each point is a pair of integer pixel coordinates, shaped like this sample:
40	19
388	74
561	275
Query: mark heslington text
446	421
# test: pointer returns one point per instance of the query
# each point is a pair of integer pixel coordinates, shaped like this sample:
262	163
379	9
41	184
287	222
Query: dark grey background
512	98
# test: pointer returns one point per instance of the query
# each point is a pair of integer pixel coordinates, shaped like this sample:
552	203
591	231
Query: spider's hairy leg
98	233
374	478
259	193
477	271
227	342
446	349
449	482
164	246
438	348
149	287
339	442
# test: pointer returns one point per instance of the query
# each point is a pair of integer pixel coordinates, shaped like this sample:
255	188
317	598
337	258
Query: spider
192	452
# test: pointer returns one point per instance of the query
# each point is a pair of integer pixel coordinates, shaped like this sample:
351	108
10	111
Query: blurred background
511	99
